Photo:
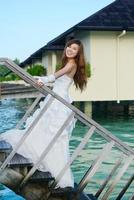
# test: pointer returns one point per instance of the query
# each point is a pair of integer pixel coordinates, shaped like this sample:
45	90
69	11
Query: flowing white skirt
46	128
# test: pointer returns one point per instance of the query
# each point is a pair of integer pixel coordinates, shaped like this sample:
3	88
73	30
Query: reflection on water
12	110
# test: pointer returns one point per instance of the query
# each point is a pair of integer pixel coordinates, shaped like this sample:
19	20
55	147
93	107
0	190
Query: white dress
44	131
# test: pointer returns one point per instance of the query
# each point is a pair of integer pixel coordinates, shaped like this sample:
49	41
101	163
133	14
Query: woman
73	69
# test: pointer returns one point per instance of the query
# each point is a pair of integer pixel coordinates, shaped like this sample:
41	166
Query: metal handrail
83	118
78	114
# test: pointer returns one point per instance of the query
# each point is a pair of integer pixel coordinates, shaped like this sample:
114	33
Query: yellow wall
126	67
112	67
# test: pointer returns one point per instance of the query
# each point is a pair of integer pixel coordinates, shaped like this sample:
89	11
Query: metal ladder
127	154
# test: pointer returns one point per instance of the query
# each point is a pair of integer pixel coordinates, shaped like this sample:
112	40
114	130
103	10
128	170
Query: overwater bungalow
108	38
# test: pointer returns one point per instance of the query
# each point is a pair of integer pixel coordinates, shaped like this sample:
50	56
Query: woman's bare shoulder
73	69
71	65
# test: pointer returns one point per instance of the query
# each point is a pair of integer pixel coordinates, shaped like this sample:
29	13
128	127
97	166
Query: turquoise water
6	193
12	110
123	129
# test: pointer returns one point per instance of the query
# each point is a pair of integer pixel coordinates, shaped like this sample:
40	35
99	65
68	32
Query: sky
27	25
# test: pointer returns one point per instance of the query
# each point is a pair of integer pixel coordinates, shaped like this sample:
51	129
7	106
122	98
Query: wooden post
88	108
10	178
54	61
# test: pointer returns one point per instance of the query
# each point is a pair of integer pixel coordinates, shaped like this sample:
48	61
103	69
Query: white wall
47	61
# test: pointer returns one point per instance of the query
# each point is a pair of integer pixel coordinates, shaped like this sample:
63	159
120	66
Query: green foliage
12	77
88	69
3	72
1	78
58	66
17	61
6	74
36	70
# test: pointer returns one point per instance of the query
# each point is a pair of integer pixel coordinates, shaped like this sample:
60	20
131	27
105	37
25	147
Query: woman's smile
72	50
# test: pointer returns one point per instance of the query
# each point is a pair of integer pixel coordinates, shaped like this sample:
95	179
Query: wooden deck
8	91
14	90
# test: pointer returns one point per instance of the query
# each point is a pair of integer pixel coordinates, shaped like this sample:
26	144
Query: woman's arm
68	67
51	78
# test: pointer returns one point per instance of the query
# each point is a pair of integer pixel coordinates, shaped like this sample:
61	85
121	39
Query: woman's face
72	50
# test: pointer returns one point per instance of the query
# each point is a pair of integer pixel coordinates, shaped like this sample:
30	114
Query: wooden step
70	193
40	176
5	149
20	161
5	146
61	192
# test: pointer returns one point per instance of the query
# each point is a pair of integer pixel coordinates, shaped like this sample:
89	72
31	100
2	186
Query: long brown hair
80	77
